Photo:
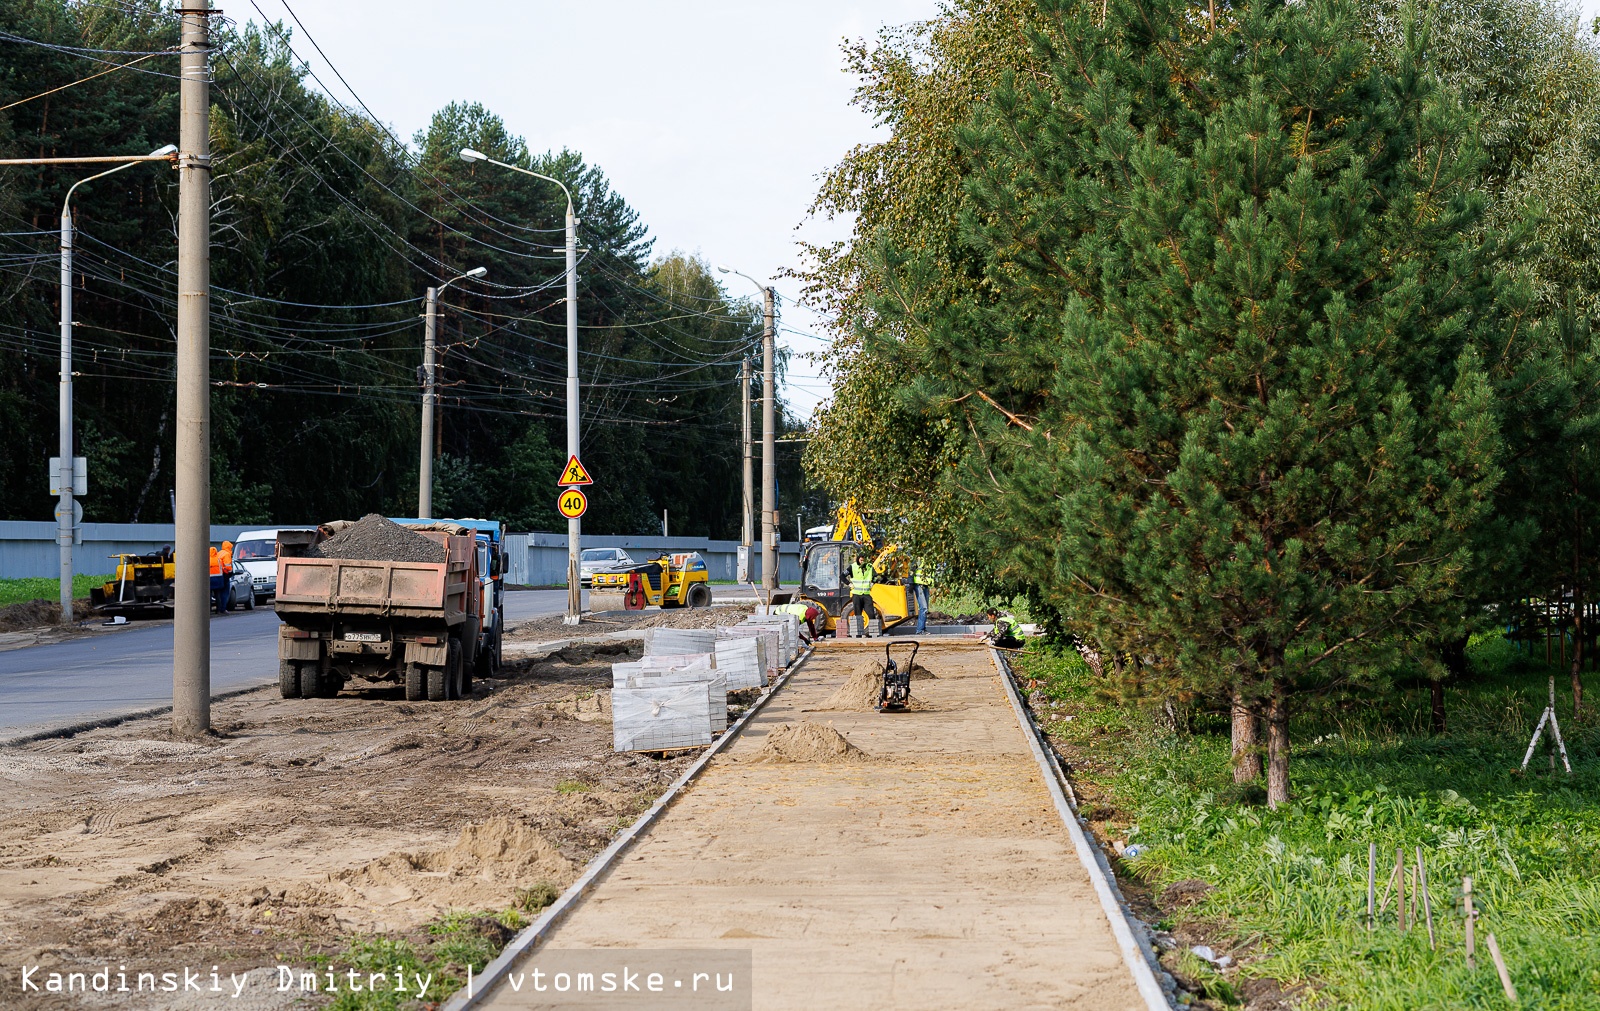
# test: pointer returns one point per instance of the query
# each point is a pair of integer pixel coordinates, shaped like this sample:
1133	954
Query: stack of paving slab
672	697
789	629
743	661
770	640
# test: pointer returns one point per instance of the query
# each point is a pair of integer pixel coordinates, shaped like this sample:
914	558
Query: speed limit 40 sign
572	503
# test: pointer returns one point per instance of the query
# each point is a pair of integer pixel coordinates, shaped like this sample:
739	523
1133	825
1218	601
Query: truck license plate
363	637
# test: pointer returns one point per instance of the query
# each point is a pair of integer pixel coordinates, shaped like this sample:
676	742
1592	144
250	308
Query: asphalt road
129	671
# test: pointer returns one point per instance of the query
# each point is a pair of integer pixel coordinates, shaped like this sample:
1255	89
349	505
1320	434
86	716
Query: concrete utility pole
769	449
746	534
574	526
430	390
191	631
430	314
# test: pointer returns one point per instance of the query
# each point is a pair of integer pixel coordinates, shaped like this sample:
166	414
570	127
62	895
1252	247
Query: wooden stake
1500	967
1400	884
1372	870
1427	903
1472	918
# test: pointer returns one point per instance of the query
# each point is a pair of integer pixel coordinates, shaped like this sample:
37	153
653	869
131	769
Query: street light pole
769	435
574	526
745	533
65	520
769	451
430	390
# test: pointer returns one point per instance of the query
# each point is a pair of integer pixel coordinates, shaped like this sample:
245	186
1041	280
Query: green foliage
1367	772
315	208
453	942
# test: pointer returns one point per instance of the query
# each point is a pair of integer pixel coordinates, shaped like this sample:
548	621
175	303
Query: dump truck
382	619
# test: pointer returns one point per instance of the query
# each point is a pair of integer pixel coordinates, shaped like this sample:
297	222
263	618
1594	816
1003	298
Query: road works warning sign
572	503
575	473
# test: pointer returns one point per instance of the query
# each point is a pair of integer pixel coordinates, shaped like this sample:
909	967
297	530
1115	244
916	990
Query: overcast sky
712	118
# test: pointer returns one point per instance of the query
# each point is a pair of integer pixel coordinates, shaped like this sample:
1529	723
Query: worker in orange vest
221	577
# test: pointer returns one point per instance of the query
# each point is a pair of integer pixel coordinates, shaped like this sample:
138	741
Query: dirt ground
304	822
550	627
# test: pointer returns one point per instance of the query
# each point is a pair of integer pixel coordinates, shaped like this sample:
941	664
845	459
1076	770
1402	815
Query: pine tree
1230	325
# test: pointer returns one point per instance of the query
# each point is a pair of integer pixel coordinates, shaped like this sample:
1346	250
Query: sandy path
937	875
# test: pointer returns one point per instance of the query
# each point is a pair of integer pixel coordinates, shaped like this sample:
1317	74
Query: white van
258	550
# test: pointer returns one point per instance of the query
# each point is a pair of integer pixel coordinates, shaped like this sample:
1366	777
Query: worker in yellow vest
921	587
862	577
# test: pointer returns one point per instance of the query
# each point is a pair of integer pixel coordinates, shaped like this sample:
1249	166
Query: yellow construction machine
142	584
825	572
672	580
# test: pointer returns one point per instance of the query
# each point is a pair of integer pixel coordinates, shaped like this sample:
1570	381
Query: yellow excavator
672	580
825	572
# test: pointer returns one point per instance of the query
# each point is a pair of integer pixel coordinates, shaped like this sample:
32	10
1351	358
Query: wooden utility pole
191	643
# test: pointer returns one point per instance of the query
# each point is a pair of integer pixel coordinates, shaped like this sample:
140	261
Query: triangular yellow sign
575	474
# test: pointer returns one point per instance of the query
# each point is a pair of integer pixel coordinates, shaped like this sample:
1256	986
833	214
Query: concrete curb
479	987
1132	935
111	721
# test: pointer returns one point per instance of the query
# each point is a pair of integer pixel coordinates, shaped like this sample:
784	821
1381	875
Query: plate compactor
896	692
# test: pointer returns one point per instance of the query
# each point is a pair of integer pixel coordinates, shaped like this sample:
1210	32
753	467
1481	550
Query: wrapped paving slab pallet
769	637
662	641
743	662
667	661
664	716
788	628
717	710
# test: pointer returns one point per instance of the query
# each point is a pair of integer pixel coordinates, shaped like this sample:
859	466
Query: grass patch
957	602
442	950
1288	890
567	786
20	591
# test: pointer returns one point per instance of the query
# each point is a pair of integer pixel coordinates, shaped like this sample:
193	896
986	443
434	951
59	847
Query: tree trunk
1579	635
1454	655
1277	749
1438	705
1246	733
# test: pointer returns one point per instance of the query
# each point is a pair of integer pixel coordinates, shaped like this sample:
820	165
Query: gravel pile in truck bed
376	539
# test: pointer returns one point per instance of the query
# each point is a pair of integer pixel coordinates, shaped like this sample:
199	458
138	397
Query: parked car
258	550
600	560
240	591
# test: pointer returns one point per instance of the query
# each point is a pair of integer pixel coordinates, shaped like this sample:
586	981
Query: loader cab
825	573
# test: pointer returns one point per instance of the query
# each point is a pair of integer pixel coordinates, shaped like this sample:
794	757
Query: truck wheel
288	679
455	671
436	684
416	682
310	680
699	595
488	660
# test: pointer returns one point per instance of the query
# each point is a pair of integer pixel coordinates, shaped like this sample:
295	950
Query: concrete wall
540	559
28	549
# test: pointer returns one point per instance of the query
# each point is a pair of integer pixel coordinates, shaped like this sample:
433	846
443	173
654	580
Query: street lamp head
724	270
468	154
476	272
164	150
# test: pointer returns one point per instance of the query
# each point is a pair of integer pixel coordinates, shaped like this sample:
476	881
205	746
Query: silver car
600	560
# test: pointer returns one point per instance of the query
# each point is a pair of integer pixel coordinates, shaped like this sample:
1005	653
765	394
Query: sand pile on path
860	693
808	742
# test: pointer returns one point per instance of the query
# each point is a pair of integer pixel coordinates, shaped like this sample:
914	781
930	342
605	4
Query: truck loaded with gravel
380	601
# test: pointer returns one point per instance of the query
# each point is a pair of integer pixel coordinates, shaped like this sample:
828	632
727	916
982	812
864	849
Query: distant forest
326	231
